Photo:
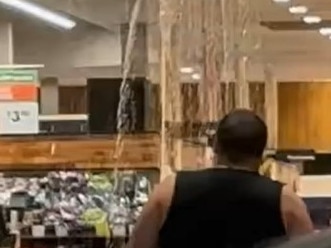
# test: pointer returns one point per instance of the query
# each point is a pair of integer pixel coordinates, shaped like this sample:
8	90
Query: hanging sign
19	76
19	108
18	85
19	118
26	92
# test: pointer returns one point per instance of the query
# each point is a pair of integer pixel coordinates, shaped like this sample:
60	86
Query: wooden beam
140	151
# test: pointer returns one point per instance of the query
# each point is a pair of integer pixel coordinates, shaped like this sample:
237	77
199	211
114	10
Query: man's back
223	208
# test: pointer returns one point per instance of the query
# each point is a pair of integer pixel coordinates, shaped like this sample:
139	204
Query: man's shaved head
241	135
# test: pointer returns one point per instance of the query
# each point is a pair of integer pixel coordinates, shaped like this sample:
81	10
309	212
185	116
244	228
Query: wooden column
271	106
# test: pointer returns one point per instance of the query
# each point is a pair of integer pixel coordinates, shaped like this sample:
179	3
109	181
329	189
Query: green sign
19	76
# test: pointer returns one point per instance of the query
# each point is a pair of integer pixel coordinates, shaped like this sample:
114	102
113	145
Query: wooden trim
140	151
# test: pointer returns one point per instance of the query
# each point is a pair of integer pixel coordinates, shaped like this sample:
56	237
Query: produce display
71	199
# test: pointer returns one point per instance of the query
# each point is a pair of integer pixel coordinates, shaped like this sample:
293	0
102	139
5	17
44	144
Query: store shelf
66	166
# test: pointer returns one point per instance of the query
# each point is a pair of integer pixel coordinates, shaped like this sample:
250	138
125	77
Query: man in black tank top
229	205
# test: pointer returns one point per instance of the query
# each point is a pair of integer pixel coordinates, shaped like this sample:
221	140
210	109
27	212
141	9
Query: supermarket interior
100	100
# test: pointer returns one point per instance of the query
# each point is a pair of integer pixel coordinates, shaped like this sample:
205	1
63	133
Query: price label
19	118
119	231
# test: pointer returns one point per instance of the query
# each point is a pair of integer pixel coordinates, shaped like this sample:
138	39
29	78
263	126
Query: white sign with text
19	118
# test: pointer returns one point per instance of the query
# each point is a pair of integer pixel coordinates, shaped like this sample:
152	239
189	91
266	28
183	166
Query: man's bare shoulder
161	198
290	200
295	214
153	215
163	191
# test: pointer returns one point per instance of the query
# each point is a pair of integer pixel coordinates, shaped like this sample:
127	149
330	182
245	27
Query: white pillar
271	106
49	96
242	86
6	43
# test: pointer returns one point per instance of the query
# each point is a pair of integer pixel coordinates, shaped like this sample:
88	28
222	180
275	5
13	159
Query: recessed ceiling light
325	31
281	1
300	9
312	19
196	76
186	70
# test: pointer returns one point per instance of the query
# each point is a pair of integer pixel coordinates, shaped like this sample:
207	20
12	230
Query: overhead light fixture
281	1
300	9
186	70
41	13
325	31
312	19
196	76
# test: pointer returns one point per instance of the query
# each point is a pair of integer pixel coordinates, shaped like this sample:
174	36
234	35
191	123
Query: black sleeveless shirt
222	208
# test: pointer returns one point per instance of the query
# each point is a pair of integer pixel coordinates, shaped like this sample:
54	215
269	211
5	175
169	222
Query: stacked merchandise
74	199
286	173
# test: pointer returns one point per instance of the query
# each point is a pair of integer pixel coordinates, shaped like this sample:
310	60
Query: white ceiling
105	13
279	47
295	45
278	12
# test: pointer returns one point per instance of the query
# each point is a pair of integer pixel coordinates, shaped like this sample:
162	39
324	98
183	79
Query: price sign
19	118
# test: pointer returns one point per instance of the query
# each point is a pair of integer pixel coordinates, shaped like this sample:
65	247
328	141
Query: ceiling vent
294	25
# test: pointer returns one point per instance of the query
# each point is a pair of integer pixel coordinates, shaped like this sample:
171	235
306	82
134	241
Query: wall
315	186
303	71
93	51
70	57
84	52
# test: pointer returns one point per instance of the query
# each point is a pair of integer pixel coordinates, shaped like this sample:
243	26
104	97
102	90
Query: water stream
126	112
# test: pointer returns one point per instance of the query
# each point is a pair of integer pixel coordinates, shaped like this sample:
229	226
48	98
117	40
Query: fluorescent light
196	76
186	70
312	19
300	9
325	31
41	13
21	66
281	1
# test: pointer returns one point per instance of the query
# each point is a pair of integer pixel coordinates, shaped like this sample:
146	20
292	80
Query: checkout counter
315	181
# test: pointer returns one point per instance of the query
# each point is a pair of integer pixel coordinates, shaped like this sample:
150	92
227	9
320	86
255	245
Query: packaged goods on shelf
72	199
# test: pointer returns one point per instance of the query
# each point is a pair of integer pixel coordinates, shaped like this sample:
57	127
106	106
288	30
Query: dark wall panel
103	99
73	99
